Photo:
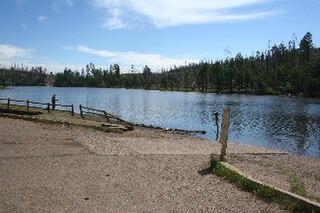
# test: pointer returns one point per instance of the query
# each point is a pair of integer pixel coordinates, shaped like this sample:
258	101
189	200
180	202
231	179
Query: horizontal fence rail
27	103
92	111
88	110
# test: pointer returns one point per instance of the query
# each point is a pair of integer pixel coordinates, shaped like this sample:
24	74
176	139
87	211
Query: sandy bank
48	168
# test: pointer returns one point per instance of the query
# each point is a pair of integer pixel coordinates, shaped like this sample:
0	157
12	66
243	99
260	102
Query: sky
159	33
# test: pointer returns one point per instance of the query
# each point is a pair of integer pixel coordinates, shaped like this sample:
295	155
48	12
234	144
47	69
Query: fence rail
88	110
28	104
92	111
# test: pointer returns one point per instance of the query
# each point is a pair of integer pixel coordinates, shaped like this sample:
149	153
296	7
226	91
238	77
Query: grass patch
265	192
19	111
296	186
55	122
242	182
21	107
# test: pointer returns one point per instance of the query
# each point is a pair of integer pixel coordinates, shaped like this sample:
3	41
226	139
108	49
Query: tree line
23	76
292	68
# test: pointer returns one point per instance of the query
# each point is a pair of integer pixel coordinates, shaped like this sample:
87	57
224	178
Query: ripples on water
284	123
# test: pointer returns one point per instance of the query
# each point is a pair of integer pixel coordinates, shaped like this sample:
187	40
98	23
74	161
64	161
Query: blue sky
159	33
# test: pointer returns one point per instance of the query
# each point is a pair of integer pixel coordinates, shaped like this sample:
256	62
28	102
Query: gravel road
48	168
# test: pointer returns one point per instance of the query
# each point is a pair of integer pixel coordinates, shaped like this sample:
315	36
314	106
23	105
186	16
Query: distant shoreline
300	95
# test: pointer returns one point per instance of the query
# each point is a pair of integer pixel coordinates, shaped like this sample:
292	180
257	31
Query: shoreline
99	123
169	164
299	95
70	120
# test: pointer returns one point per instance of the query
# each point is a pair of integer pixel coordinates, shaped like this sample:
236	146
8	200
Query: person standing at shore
53	101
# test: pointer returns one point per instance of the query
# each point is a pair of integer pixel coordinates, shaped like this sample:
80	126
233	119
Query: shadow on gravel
206	171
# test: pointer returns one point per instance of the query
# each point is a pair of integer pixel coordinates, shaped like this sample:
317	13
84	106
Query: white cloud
41	18
11	54
126	59
50	67
58	4
165	13
8	52
55	7
55	67
114	22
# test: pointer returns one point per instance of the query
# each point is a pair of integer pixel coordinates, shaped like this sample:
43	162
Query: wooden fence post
72	110
105	114
8	103
27	104
224	133
81	114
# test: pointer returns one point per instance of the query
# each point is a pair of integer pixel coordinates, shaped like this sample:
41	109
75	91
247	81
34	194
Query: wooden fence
88	110
85	110
27	103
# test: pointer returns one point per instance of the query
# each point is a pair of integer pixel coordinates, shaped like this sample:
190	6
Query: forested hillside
292	68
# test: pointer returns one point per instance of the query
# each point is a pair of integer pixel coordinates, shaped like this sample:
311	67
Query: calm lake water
282	123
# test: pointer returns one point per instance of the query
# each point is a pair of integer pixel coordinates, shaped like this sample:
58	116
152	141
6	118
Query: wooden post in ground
8	103
224	133
27	104
106	115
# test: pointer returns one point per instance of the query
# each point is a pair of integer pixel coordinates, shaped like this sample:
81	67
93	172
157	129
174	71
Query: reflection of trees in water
146	104
300	127
314	137
289	124
236	116
207	104
203	108
239	117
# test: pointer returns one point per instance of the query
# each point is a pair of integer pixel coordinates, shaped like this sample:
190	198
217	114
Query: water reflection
289	127
288	124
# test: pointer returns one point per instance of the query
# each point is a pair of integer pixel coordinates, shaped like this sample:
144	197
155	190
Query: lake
282	123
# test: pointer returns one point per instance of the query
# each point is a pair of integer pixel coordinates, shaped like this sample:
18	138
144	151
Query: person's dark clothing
53	101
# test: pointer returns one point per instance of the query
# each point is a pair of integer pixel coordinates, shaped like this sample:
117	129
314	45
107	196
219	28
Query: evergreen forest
292	68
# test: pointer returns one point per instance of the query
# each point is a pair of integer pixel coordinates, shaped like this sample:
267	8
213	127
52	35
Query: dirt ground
55	168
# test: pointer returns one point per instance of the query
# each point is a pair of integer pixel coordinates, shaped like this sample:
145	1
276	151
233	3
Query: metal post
27	104
224	133
72	110
215	114
80	107
8	103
